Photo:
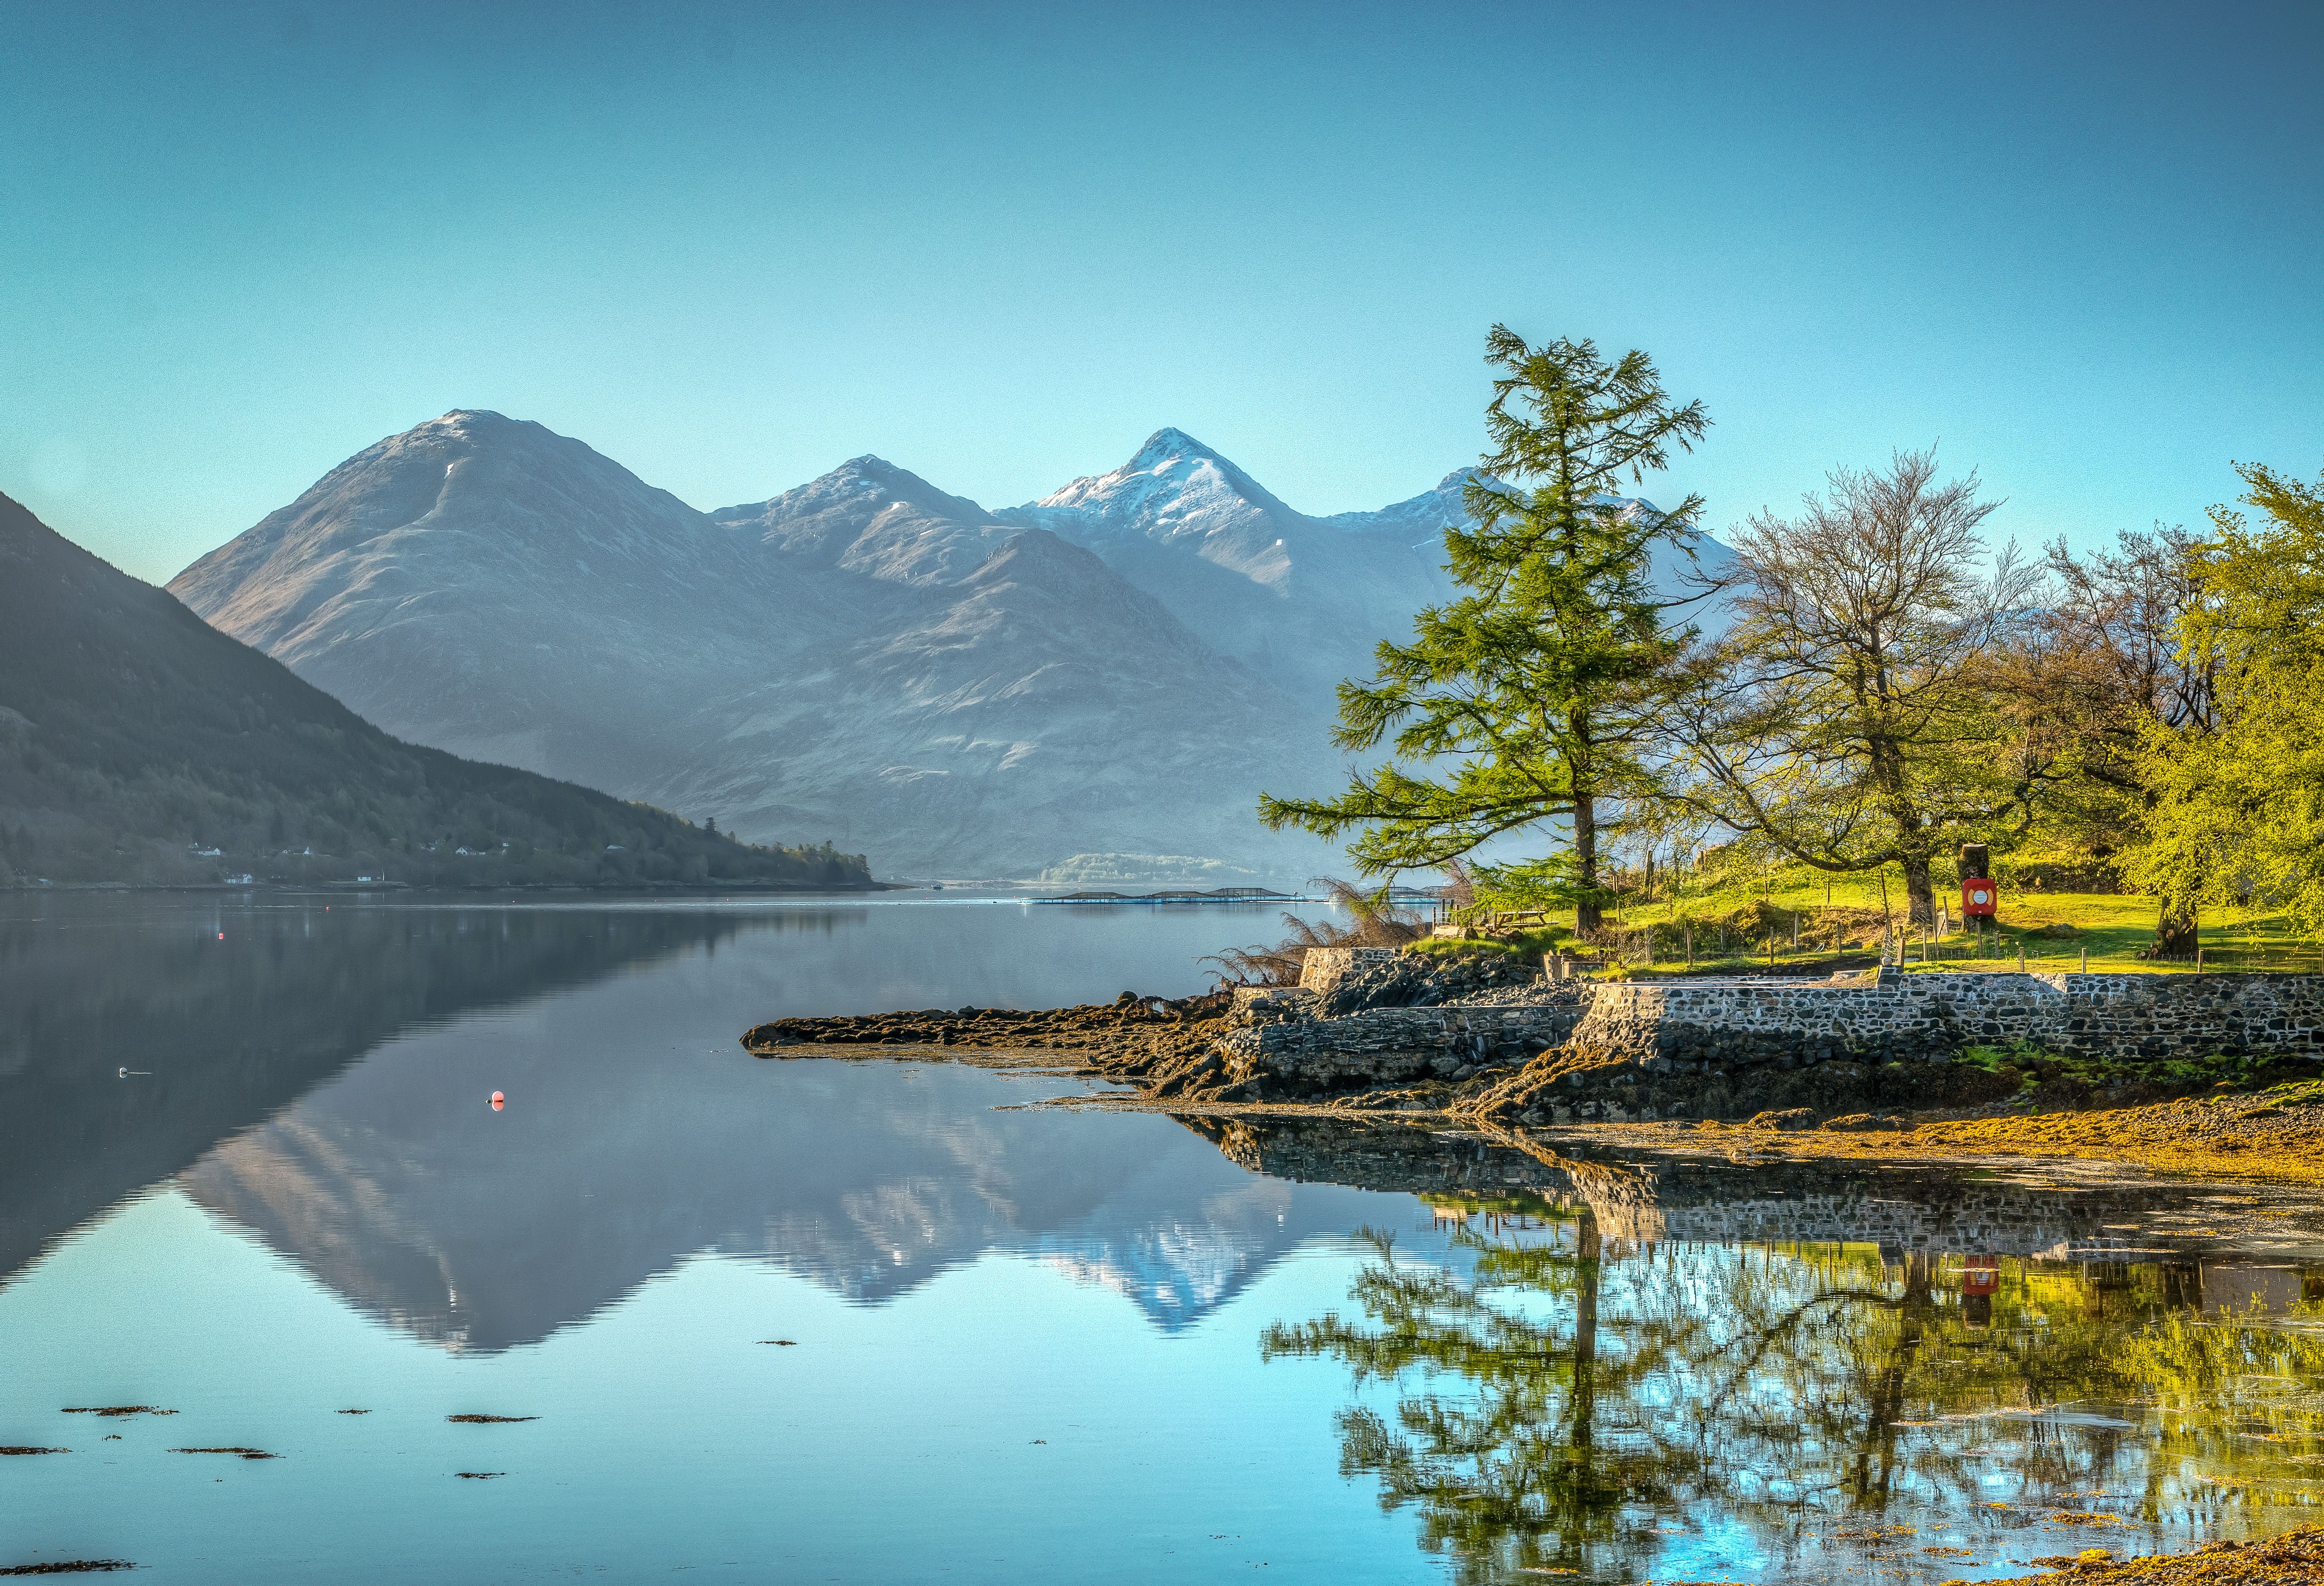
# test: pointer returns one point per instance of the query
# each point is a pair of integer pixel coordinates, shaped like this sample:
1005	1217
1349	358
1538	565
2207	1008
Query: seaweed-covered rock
1131	1037
1420	980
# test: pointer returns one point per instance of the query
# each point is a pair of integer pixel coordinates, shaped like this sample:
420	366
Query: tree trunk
2174	933
1887	1406
1587	917
1575	1514
1585	1332
1922	909
1888	774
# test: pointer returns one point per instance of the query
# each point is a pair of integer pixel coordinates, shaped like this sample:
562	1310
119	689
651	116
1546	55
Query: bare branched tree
2099	665
2118	613
1847	716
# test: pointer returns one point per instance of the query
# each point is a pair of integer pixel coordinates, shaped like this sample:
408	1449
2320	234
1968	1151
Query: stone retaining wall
1393	1046
1934	1016
1692	1033
1323	968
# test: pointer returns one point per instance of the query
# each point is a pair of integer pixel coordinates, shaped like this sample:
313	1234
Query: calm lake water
249	1175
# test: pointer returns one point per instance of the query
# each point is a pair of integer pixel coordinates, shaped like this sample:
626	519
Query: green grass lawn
2113	928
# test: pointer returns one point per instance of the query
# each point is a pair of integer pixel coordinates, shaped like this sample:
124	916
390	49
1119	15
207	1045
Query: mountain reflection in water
1575	1390
315	1077
231	1010
483	1231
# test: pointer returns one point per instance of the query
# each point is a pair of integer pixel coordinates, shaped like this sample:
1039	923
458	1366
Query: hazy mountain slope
133	736
486	586
1008	694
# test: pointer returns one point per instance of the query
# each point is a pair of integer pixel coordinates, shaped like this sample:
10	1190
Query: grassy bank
1840	925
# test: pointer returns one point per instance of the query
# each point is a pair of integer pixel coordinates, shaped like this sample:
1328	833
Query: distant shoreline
342	889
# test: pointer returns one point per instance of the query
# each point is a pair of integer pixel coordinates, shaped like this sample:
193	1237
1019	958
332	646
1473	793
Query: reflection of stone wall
2238	1287
1897	1207
1971	1220
1393	1159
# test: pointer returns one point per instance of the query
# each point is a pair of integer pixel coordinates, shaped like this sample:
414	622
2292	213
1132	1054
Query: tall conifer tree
1531	700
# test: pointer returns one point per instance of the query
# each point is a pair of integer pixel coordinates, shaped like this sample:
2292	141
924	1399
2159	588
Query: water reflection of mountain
615	1162
230	1027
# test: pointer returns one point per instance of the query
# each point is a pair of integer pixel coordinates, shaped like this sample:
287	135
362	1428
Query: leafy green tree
1848	718
1533	698
2238	816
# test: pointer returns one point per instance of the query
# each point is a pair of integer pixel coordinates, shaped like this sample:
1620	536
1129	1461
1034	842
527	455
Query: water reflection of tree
2240	1404
1538	1457
1562	1394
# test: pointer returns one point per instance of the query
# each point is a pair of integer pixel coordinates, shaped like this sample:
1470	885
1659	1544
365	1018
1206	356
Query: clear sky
2081	247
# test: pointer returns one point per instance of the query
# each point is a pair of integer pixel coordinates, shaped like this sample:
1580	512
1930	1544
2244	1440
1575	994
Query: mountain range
1093	686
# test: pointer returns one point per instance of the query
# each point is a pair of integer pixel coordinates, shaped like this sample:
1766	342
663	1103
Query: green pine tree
1531	700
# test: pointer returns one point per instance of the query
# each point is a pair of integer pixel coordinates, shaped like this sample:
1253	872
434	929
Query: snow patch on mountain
1428	514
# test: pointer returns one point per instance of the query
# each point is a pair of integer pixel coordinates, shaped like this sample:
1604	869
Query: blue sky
2079	246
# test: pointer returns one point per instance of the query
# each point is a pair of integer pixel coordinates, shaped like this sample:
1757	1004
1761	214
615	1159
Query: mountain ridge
865	656
140	743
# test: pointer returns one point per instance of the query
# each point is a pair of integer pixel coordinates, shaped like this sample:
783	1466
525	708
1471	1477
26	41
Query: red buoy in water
498	1100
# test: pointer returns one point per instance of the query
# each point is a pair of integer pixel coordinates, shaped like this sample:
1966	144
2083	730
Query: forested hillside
138	743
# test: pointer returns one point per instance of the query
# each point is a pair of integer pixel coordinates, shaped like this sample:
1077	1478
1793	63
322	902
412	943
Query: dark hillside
136	740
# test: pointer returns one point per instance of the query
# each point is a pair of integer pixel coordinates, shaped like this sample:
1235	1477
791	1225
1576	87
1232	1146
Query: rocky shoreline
1484	1039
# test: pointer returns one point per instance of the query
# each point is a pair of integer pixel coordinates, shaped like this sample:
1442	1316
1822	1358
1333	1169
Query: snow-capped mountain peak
1175	489
1169	441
